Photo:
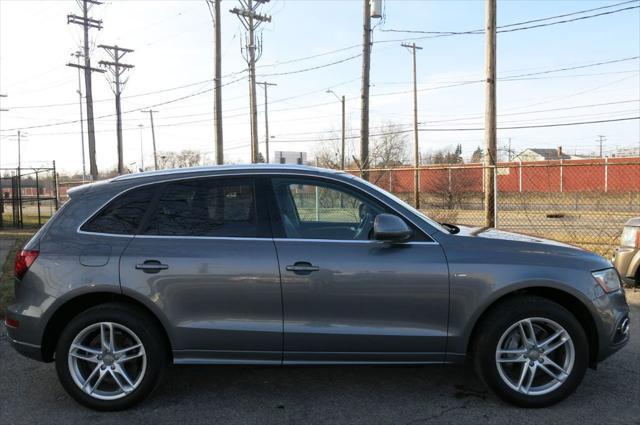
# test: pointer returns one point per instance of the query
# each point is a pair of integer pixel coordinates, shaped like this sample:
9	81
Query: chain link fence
29	196
581	202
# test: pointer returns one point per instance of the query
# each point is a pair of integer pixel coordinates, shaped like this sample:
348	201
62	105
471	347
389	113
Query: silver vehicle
279	265
627	256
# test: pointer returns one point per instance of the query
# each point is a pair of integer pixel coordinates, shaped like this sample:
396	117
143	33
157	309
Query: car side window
205	207
317	210
123	215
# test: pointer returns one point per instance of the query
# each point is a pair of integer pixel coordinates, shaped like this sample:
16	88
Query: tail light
24	260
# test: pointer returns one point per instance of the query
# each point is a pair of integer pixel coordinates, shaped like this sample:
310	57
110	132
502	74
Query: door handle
151	266
302	267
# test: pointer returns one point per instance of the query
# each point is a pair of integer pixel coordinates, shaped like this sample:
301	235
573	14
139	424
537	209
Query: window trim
279	233
267	196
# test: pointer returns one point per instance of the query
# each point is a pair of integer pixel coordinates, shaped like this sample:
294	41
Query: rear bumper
28	350
25	336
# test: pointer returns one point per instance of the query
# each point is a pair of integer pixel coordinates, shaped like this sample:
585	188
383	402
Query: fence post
20	217
561	175
38	199
519	175
606	174
55	186
495	196
416	183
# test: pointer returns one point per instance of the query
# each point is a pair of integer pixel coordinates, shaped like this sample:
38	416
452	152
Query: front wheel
530	351
110	357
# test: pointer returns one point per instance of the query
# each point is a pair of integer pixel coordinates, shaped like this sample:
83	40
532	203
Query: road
333	395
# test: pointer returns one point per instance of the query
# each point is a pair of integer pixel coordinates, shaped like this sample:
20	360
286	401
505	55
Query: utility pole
87	23
117	69
416	148
490	115
78	55
342	101
140	126
364	96
601	140
251	20
214	9
153	137
266	118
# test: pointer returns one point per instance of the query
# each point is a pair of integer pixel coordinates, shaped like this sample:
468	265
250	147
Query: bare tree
328	152
391	149
184	158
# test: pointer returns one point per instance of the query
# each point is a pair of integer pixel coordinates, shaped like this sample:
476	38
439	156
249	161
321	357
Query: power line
437	34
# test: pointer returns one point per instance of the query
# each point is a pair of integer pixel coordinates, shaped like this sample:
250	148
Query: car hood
492	233
501	242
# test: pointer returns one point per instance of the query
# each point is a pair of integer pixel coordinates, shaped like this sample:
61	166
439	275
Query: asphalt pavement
31	394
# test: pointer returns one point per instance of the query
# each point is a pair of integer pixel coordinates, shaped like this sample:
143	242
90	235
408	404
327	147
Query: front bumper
613	326
627	262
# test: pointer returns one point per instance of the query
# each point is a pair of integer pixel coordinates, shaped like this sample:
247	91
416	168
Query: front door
205	257
345	296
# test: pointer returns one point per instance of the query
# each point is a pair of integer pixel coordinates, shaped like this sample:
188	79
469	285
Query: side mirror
390	228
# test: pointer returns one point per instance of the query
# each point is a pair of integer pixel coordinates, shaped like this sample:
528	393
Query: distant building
626	152
535	154
289	157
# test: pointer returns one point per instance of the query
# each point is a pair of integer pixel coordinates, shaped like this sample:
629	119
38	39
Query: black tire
144	327
499	320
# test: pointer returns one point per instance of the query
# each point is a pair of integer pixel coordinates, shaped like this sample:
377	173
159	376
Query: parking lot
343	395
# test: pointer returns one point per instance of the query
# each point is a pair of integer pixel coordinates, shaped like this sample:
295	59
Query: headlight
630	237
608	279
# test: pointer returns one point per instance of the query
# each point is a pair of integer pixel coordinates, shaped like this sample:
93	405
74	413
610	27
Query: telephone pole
601	140
490	115
87	23
140	126
266	117
153	138
117	70
364	97
251	20
342	101
416	173
78	55
214	9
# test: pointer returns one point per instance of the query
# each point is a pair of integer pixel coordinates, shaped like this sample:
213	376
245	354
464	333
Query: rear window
123	215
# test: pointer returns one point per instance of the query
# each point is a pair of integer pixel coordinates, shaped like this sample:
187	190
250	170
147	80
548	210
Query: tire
140	355
507	378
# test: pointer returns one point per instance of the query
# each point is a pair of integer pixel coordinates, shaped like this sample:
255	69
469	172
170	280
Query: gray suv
279	265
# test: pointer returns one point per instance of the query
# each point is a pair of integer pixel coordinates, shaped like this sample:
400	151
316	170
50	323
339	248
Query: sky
308	48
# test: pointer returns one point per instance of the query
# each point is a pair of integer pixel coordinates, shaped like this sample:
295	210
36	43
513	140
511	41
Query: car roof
226	168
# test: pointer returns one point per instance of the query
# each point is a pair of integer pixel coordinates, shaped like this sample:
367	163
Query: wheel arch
564	298
76	305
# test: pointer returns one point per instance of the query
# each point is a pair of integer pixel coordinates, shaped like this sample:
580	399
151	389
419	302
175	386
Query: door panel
368	301
219	295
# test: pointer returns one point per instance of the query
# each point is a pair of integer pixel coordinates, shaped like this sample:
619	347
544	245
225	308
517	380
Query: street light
341	99
140	126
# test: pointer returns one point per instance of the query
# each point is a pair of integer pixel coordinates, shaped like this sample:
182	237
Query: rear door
205	257
347	297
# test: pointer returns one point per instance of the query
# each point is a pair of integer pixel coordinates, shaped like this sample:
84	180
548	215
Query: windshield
403	203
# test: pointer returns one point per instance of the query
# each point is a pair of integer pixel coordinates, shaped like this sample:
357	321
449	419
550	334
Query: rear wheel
531	351
110	357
